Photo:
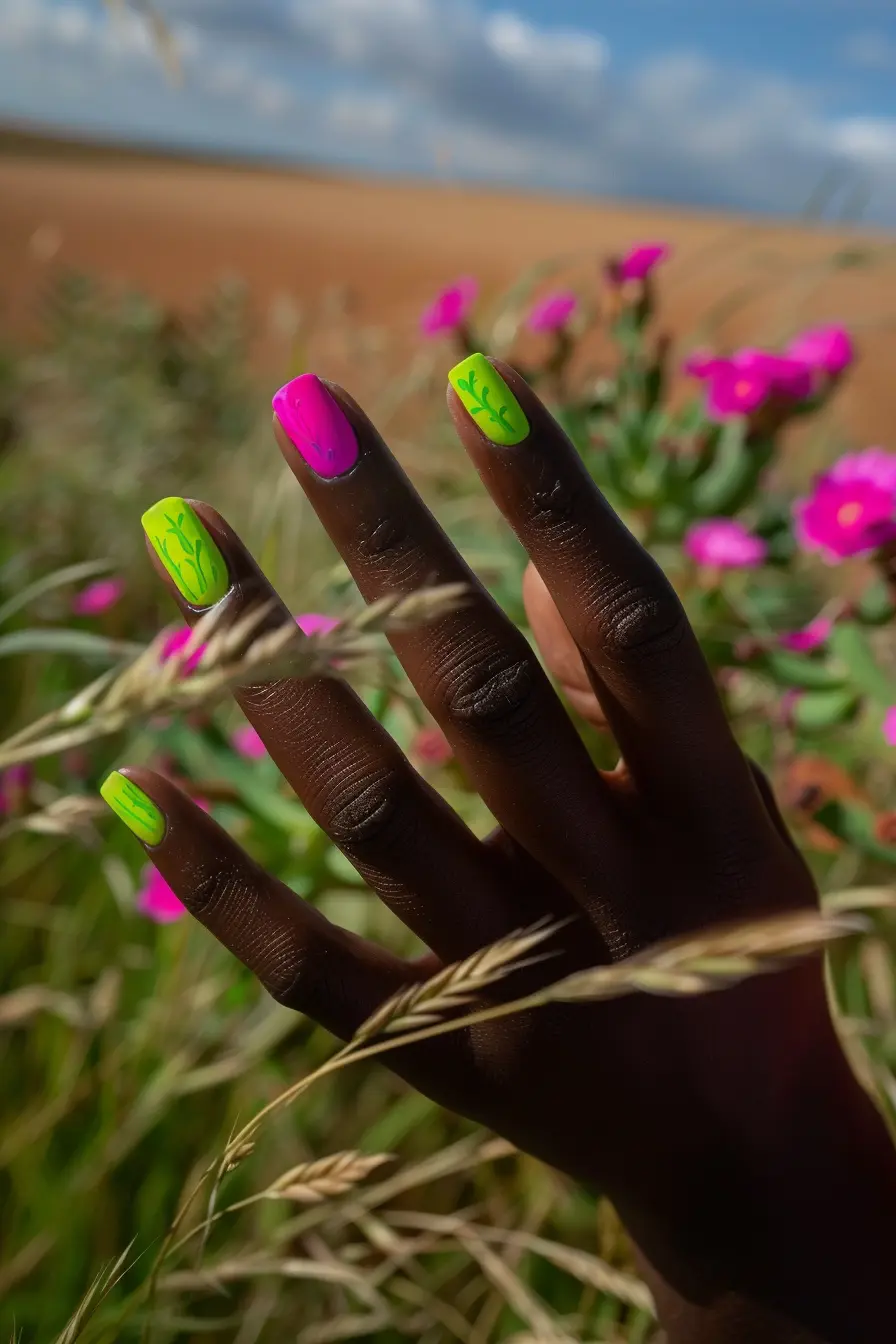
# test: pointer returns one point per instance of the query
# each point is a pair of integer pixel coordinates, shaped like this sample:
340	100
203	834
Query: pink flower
876	465
450	309
431	746
889	726
156	900
97	597
791	377
247	742
724	543
824	349
15	781
844	518
176	641
553	311
703	364
812	636
734	391
638	262
314	623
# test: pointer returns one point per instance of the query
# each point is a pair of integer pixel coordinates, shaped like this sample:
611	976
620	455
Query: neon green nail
138	812
489	400
187	551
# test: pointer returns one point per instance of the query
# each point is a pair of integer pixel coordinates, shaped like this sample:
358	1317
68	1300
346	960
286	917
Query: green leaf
816	711
855	825
876	606
807	674
87	569
59	639
849	643
732	478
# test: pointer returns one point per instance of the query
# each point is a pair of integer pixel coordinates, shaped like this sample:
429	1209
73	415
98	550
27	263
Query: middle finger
473	669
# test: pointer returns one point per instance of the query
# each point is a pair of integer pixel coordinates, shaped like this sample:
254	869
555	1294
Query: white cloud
870	50
418	85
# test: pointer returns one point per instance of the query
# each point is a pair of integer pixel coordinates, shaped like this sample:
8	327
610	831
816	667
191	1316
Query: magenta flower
97	597
889	726
844	518
15	781
703	364
450	309
173	645
314	623
247	742
824	349
876	465
724	543
156	900
638	262
812	636
553	311
790	377
733	391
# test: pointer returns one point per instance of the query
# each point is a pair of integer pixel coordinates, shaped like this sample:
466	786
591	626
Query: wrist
791	1244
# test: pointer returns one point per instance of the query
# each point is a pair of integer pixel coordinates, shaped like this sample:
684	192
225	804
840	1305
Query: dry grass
234	653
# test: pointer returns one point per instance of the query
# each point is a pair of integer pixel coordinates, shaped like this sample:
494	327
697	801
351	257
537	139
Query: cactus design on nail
489	401
187	551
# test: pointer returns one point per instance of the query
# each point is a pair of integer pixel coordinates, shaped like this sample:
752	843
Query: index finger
644	659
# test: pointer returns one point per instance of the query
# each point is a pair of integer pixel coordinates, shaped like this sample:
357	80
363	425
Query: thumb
558	648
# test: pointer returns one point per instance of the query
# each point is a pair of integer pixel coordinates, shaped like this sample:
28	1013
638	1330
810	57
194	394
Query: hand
727	1129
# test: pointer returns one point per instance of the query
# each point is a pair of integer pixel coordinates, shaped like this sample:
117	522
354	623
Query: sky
757	105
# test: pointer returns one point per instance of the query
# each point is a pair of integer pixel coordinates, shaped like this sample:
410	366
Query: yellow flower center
848	514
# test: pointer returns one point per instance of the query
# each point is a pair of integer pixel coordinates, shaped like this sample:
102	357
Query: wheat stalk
236	653
713	960
326	1178
69	815
455	985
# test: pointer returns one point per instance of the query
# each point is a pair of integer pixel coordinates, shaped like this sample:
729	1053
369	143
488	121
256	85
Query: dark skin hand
727	1129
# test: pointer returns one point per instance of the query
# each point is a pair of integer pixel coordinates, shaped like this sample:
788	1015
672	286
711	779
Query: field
150	307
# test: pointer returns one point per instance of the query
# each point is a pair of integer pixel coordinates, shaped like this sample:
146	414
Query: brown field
172	227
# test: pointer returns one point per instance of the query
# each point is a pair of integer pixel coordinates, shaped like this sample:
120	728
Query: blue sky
747	105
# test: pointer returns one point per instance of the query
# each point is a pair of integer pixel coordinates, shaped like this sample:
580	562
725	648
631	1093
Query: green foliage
131	1051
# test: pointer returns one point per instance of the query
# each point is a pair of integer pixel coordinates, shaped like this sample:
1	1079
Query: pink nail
316	425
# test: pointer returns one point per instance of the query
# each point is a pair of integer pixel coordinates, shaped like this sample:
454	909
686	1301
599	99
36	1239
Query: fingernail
187	551
489	401
138	812
316	425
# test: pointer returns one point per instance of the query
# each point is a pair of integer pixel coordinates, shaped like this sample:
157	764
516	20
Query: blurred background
202	198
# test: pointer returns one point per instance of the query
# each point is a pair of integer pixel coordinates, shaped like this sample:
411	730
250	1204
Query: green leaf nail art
489	400
187	551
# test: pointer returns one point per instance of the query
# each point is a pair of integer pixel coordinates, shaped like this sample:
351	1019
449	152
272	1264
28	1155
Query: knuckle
370	810
214	891
386	543
554	508
289	972
638	623
491	693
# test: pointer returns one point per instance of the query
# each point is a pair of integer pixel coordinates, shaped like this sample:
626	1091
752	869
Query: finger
303	960
559	649
648	669
404	840
473	669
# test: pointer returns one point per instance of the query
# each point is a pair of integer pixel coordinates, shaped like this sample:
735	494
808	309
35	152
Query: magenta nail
316	425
